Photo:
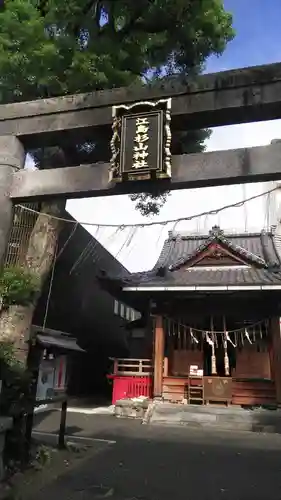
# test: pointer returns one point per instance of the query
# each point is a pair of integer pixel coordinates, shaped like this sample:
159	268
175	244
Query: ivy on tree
57	47
18	286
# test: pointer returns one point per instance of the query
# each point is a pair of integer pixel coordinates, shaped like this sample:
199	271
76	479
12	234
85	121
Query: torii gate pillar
12	158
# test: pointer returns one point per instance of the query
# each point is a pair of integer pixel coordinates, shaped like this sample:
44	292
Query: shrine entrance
217	351
207	351
151	116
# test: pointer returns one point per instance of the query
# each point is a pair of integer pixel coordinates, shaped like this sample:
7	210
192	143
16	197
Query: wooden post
61	441
166	367
276	355
158	357
115	367
33	364
12	158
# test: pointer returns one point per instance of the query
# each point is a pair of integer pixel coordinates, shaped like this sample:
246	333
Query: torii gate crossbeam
237	96
188	171
225	98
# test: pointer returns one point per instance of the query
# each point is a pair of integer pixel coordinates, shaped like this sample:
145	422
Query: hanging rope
248	336
208	339
179	331
156	223
213	357
50	289
229	340
226	359
194	339
57	255
67	241
237	330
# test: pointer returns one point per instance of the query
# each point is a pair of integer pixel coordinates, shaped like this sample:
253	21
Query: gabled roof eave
219	237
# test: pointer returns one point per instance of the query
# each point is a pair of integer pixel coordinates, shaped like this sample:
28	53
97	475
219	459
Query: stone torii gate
226	98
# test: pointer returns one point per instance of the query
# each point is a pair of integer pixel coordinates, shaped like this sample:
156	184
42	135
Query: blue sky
258	37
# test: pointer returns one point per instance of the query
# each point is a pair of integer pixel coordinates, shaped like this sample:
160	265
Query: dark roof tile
202	277
260	249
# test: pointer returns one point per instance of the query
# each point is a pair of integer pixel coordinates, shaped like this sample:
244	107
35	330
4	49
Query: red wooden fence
131	378
130	387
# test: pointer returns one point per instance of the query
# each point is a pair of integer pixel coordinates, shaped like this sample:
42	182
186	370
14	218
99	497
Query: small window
133	314
128	313
116	307
122	310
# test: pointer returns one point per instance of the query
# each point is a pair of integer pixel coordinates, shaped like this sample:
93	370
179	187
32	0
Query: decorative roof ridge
217	234
185	236
273	264
276	241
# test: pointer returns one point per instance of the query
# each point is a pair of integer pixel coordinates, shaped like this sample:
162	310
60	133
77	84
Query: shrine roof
254	258
258	248
204	277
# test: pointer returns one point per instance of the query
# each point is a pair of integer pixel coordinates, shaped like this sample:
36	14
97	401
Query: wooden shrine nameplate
141	141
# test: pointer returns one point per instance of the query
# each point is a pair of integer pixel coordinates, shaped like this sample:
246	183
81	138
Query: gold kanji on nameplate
141	141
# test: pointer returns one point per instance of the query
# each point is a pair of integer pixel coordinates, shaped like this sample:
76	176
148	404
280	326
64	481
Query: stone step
166	408
226	426
258	420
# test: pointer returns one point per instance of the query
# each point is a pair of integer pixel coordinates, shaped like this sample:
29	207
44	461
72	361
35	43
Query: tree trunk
16	320
14	327
44	239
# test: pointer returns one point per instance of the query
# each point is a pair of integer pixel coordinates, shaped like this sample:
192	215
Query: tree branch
96	4
97	13
111	23
130	26
42	7
134	23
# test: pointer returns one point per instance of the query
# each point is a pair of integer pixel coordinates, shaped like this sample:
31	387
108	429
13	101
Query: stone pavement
166	463
219	417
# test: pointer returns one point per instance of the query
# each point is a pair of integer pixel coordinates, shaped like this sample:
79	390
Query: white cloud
243	136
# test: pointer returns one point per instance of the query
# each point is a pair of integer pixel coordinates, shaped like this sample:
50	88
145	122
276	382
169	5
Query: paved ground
165	463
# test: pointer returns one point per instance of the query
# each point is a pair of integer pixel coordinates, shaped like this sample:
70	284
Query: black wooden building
74	302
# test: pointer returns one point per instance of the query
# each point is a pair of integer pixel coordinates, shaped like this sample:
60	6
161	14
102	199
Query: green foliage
16	381
15	391
16	398
58	47
7	356
43	455
18	286
148	203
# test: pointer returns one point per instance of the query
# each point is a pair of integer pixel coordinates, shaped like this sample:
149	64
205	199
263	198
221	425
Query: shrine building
210	327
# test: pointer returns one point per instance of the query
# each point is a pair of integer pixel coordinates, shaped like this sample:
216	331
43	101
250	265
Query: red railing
130	387
132	366
131	379
139	386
